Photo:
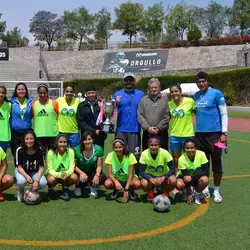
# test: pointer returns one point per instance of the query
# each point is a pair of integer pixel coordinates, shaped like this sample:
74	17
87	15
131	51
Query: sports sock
217	188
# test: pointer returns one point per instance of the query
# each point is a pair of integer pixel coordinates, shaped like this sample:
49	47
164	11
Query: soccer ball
31	197
161	203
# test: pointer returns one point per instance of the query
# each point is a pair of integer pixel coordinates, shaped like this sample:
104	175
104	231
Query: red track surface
242	125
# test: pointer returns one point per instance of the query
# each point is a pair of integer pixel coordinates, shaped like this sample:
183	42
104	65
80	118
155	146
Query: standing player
45	112
20	118
5	110
211	127
181	111
67	122
128	128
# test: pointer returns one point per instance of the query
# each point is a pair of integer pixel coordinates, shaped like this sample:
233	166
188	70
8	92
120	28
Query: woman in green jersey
121	168
61	167
181	111
89	164
193	170
5	110
156	169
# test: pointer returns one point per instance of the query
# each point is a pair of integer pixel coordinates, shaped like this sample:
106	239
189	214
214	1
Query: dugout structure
55	88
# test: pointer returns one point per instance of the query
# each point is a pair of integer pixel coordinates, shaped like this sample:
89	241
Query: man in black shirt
87	114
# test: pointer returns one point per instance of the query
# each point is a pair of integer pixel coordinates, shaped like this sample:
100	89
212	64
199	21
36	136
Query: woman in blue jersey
20	118
181	111
67	121
5	110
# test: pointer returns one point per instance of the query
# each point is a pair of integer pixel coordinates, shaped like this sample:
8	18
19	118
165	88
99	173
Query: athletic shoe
197	198
165	194
151	195
1	196
205	193
217	196
65	194
51	193
132	195
184	195
113	195
20	194
93	191
78	192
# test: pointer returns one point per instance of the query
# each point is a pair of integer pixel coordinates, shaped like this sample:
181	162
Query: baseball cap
129	74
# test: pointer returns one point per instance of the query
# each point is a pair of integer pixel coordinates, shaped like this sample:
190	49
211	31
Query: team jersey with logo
193	167
30	163
5	110
207	112
89	165
158	166
181	118
2	155
67	122
58	164
45	118
120	170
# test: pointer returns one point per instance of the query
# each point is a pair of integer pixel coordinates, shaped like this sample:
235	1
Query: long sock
217	188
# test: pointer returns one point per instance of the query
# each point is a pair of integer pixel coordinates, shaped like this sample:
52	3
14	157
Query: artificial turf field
211	226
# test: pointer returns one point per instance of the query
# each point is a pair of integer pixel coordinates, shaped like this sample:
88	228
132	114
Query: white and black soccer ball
161	203
31	198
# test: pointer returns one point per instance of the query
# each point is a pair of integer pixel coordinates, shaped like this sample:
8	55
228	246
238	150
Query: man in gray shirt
153	114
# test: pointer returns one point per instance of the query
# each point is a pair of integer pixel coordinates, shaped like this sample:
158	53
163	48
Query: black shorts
103	178
47	143
205	142
133	141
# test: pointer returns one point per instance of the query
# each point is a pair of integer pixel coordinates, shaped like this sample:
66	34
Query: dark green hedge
235	83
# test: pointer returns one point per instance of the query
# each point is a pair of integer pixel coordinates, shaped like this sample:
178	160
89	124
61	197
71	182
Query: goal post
55	88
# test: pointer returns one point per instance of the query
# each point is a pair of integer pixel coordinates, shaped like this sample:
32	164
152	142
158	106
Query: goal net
55	88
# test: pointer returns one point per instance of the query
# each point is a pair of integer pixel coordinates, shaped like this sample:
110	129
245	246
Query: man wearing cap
211	127
87	114
153	114
127	100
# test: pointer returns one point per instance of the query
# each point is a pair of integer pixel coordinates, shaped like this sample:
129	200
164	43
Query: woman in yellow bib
45	113
61	167
67	115
5	110
121	168
193	170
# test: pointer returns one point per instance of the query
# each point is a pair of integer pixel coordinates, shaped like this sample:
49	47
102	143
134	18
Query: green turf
224	226
243	115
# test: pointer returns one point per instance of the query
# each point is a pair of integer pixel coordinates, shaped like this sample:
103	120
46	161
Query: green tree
153	20
14	38
103	25
2	25
179	19
79	24
213	19
46	26
129	19
240	16
194	33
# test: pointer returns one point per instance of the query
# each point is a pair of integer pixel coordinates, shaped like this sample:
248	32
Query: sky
18	13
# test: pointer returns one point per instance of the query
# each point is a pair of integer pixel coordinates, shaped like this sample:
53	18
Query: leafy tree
103	25
14	38
179	19
240	16
213	19
129	19
2	25
153	20
46	26
194	33
79	24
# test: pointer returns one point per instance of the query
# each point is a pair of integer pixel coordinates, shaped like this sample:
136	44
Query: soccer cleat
78	191
132	195
205	193
151	195
65	194
165	194
93	191
197	198
217	196
113	195
20	194
184	195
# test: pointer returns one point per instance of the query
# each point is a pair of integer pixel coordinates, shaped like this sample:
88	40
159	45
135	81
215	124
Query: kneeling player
121	167
193	170
157	169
